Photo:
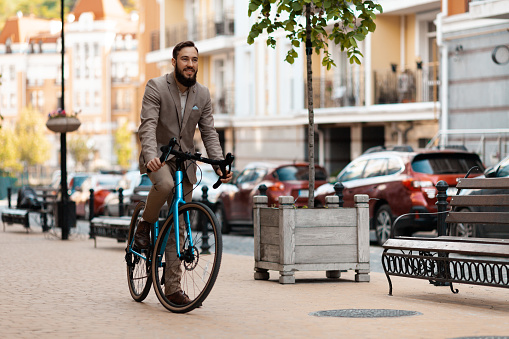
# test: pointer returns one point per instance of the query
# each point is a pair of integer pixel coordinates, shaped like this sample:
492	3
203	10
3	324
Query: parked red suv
235	204
400	182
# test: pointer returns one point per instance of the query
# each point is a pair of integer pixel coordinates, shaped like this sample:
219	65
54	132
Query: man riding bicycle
173	105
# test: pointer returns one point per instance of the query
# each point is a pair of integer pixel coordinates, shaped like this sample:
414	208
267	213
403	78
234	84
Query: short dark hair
181	45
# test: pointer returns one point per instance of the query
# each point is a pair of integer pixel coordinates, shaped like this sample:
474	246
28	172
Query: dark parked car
400	182
235	205
501	170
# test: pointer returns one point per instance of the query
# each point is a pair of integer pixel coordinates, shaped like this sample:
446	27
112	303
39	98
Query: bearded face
186	76
186	66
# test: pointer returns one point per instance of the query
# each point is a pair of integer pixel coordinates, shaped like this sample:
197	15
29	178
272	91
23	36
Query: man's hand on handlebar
228	176
154	165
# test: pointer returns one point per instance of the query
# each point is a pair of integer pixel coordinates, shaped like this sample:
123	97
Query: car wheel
463	229
383	224
223	221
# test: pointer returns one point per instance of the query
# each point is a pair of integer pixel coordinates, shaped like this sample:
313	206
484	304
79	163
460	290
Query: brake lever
166	149
227	163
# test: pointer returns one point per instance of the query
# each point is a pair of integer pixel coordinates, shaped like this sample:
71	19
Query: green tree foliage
9	160
33	146
78	149
342	22
123	147
314	23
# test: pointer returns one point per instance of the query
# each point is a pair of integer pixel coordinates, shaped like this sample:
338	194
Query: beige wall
457	6
385	44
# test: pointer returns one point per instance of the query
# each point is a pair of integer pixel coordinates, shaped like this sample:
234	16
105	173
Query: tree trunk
311	125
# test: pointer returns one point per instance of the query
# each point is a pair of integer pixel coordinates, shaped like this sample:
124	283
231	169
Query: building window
87	63
97	99
12	72
127	100
40	100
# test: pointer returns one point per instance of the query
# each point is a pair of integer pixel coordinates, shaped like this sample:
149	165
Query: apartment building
260	101
101	73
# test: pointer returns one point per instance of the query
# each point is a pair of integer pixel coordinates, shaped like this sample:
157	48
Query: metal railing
224	103
492	145
410	85
343	92
199	30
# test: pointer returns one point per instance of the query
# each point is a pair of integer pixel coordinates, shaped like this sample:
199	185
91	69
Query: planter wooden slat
326	236
269	252
325	254
269	217
269	235
326	217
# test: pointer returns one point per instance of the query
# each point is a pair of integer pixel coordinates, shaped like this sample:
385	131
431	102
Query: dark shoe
142	235
179	298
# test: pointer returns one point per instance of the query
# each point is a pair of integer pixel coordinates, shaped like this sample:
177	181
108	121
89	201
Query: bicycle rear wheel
139	278
199	266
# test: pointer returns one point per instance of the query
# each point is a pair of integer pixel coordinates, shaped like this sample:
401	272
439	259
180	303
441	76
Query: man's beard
188	82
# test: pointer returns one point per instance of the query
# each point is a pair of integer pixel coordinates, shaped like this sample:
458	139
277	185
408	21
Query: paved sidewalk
61	289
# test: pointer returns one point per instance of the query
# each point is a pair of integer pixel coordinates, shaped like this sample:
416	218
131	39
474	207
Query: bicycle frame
177	201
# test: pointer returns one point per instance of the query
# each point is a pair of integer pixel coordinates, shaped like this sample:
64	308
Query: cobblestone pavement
62	289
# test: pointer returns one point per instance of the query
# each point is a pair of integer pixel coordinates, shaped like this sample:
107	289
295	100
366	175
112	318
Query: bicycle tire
139	278
199	269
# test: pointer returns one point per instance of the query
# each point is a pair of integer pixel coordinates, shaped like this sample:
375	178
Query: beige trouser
161	192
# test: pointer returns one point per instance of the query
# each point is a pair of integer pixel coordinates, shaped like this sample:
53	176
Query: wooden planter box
63	125
332	239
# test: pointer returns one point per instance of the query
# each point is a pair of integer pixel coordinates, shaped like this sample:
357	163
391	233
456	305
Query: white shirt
183	100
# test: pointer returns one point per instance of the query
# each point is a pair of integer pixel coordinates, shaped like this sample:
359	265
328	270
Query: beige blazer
161	120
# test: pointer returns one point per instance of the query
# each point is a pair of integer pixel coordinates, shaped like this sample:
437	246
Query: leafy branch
342	22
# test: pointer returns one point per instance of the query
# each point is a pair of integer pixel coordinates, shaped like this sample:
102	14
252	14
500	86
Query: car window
353	171
393	166
300	173
375	168
445	163
247	175
503	170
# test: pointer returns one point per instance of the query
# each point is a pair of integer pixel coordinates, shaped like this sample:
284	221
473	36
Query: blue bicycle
195	250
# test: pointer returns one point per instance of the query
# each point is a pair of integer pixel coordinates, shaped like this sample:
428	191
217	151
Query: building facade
101	73
260	100
474	48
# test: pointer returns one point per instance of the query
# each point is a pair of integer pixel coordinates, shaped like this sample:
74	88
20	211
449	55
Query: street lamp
63	205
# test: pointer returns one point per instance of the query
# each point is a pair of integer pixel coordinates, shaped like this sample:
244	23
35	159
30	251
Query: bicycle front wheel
195	272
138	261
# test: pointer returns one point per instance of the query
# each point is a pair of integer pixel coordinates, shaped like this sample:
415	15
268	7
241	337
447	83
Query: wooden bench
21	216
110	227
15	216
445	260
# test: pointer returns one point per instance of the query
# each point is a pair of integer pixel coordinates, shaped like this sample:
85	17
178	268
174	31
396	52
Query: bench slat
477	240
483	249
480	200
459	239
478	217
483	183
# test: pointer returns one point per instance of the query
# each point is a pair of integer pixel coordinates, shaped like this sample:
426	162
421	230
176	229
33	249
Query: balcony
489	9
224	102
342	92
411	85
200	30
